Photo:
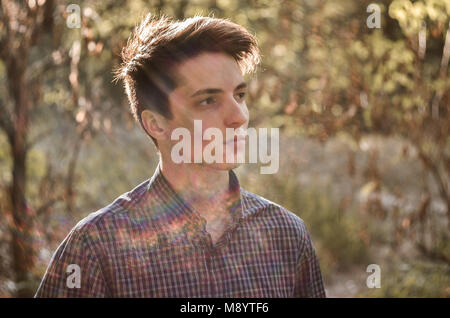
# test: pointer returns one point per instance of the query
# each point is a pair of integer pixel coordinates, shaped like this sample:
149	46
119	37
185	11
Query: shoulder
287	227
274	215
113	216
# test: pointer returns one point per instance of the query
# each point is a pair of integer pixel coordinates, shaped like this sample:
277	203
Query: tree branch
47	205
435	172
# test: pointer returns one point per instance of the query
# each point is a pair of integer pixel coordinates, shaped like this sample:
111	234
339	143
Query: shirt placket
201	239
211	252
210	265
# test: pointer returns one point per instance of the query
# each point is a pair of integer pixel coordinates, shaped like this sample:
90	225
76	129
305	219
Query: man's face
210	88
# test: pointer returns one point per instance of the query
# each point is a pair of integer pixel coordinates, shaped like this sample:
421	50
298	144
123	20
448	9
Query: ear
154	124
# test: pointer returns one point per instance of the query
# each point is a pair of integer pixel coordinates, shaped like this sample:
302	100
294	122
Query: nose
236	113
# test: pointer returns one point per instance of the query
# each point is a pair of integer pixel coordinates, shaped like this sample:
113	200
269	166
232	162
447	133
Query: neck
204	188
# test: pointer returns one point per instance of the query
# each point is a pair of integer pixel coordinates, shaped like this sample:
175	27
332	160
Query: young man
190	230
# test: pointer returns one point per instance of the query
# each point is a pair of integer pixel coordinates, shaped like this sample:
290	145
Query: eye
208	101
241	95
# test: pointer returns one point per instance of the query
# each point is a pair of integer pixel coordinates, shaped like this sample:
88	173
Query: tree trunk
22	227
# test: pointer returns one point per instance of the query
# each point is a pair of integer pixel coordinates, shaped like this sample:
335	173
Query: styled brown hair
157	45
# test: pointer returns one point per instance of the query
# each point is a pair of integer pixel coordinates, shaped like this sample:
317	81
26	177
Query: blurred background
360	93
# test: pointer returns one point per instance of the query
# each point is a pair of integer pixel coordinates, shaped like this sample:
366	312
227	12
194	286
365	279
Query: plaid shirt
150	243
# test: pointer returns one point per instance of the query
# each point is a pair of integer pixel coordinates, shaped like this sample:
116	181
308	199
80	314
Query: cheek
204	128
247	113
182	121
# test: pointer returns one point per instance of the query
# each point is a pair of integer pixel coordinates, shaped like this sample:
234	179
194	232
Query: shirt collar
170	207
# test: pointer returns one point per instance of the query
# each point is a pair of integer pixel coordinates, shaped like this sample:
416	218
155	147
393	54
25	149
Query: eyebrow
216	90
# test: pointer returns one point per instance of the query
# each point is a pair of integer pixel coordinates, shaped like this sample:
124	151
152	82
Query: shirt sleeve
309	283
74	270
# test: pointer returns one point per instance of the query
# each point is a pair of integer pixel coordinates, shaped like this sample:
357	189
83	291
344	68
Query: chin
223	166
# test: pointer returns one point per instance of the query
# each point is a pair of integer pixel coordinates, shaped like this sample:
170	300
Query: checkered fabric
151	243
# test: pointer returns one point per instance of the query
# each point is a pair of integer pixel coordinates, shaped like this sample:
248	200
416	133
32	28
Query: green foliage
418	279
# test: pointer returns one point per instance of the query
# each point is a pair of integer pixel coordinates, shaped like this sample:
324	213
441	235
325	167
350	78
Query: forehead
206	70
